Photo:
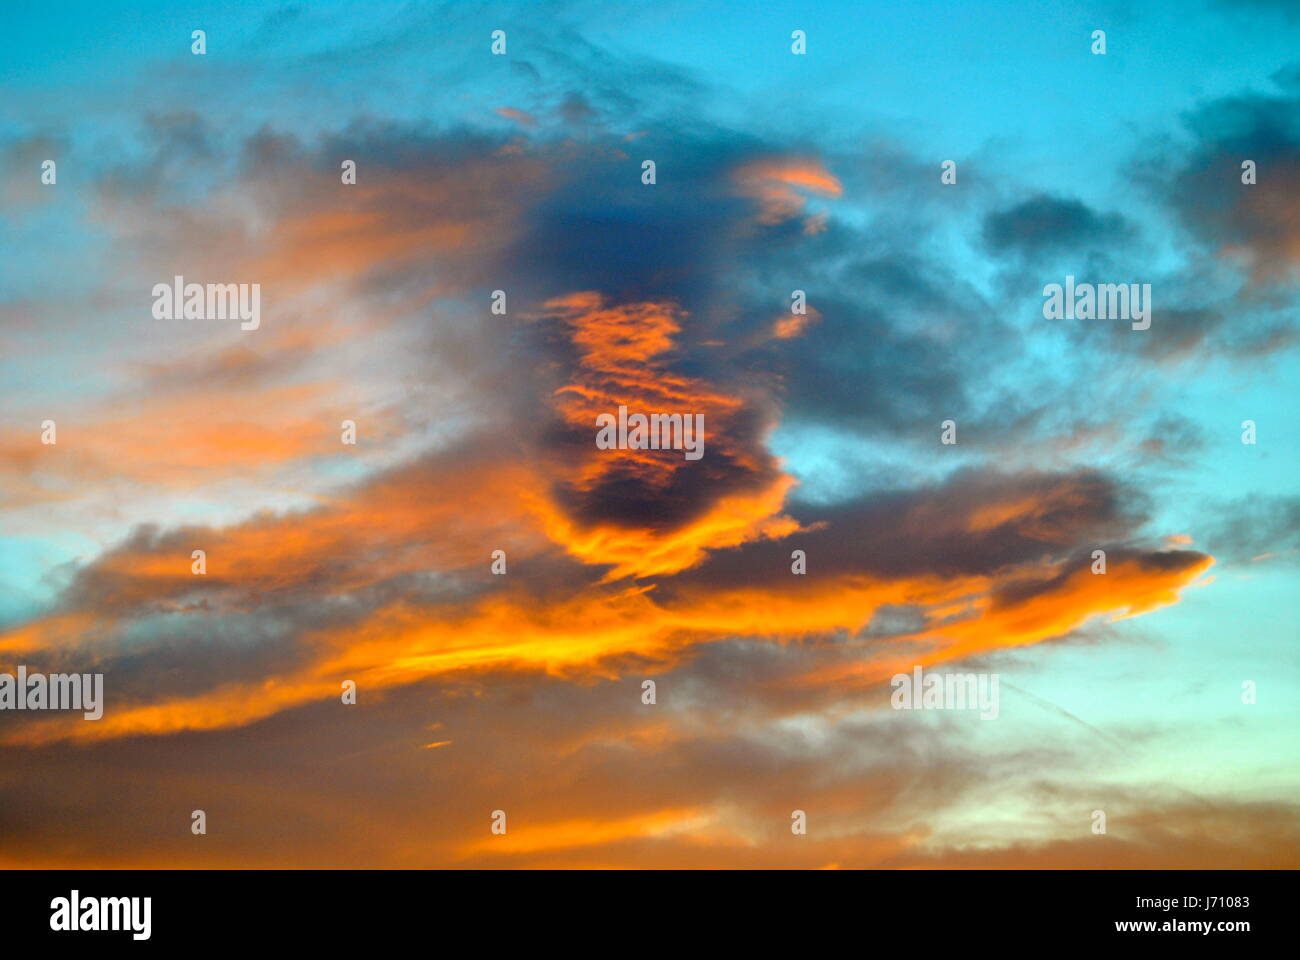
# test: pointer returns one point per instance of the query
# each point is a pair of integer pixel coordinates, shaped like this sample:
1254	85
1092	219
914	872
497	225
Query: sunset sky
522	692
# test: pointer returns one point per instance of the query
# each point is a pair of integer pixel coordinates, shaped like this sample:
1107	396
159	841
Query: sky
1163	693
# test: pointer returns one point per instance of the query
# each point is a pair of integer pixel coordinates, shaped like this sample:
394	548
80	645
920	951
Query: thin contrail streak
1066	713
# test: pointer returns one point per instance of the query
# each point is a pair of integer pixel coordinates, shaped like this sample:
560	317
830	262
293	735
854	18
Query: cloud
385	581
1255	529
1254	225
522	691
779	185
988	565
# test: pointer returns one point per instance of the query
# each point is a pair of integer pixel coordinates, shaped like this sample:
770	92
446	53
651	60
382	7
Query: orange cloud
779	185
444	516
568	834
1131	586
789	326
591	630
624	354
519	116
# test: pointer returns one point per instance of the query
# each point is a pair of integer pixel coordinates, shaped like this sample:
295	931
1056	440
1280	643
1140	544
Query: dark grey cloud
955	529
1203	185
1173	439
1050	224
1255	526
